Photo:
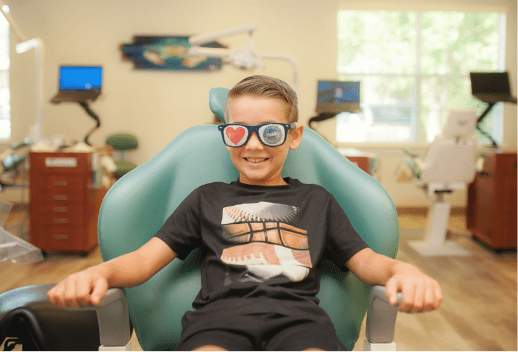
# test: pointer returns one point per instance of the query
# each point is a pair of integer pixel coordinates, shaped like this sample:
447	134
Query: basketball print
263	240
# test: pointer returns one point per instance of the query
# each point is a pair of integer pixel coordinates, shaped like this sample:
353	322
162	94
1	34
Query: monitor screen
80	77
338	96
490	82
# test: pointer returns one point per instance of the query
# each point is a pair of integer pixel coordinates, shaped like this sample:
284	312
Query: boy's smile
258	164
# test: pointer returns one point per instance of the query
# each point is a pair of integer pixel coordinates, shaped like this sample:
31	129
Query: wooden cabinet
366	161
492	211
64	201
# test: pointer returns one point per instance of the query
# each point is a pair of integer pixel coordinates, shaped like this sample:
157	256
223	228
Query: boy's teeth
255	160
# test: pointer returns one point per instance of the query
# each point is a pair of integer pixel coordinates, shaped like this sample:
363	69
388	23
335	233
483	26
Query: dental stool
137	205
449	166
122	143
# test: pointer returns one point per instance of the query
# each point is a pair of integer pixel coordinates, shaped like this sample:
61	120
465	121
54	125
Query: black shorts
266	331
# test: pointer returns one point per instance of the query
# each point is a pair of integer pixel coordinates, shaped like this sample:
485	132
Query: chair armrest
418	162
416	165
113	318
411	154
381	318
112	313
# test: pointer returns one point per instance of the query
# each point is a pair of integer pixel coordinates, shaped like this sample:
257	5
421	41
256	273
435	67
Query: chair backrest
460	123
137	205
451	157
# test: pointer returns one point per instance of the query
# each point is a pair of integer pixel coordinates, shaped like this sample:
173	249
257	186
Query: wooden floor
478	313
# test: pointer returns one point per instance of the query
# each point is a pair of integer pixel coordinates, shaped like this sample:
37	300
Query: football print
263	241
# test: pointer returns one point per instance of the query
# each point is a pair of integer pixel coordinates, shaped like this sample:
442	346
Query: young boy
263	239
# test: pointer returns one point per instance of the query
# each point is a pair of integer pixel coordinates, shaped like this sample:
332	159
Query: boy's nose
254	142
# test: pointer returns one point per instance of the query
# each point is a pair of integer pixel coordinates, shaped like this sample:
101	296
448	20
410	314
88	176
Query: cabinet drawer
61	162
62	197
61	214
64	183
60	238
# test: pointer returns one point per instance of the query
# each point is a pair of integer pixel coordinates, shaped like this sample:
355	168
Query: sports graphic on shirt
264	244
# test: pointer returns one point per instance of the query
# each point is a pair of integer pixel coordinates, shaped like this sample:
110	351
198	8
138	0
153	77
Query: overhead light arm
246	57
213	36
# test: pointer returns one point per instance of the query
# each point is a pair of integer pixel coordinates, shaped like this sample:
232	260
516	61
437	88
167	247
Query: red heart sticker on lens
235	134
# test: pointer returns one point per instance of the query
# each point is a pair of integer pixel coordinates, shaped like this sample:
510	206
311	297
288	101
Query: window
413	68
5	95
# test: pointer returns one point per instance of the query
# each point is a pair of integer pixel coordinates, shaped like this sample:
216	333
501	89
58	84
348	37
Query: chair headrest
217	99
460	122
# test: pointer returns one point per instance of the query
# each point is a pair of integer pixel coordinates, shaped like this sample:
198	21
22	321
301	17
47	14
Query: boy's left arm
420	292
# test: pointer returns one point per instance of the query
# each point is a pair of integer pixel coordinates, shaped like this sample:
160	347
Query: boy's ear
296	136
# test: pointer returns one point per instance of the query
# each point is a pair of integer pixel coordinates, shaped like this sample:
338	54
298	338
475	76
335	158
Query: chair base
367	346
435	244
116	348
446	249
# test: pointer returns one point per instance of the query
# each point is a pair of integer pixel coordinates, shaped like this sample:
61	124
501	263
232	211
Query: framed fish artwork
168	53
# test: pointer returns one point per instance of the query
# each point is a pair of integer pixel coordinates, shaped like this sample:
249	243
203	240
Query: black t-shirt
261	241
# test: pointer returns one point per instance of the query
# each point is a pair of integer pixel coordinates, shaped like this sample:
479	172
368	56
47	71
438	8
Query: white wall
158	105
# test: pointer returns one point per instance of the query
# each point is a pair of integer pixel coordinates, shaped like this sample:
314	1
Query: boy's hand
420	292
79	289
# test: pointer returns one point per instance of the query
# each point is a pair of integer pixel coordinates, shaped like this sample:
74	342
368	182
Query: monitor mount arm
24	45
320	117
244	58
90	112
481	118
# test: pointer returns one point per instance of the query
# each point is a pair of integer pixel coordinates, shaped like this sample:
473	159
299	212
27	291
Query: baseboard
423	211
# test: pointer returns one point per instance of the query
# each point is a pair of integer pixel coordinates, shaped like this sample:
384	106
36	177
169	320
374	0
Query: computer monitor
491	87
81	84
334	97
80	77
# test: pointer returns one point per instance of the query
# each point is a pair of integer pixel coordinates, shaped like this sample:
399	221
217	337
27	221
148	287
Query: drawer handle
60	221
61	183
61	237
60	210
61	197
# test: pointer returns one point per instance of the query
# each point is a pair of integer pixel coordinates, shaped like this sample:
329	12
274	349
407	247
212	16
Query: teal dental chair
137	206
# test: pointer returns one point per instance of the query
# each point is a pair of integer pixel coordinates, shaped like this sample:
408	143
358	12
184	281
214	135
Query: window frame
5	68
418	76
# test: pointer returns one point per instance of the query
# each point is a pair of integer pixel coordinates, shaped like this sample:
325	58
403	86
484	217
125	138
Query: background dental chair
449	166
137	206
11	161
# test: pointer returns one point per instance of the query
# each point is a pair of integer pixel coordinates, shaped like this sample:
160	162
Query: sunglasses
236	135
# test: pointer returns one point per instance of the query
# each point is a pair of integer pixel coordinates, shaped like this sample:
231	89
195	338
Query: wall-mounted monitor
334	97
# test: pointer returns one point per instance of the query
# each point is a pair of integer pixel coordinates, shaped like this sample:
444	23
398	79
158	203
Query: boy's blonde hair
266	87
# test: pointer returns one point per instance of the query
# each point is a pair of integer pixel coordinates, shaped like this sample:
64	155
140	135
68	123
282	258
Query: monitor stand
89	111
481	118
321	117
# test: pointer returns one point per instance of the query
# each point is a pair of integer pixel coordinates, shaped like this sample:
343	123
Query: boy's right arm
89	286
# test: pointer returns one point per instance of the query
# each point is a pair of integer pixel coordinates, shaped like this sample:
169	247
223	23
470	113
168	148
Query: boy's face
258	164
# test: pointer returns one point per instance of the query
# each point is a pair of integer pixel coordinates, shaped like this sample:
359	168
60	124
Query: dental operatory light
27	45
244	58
